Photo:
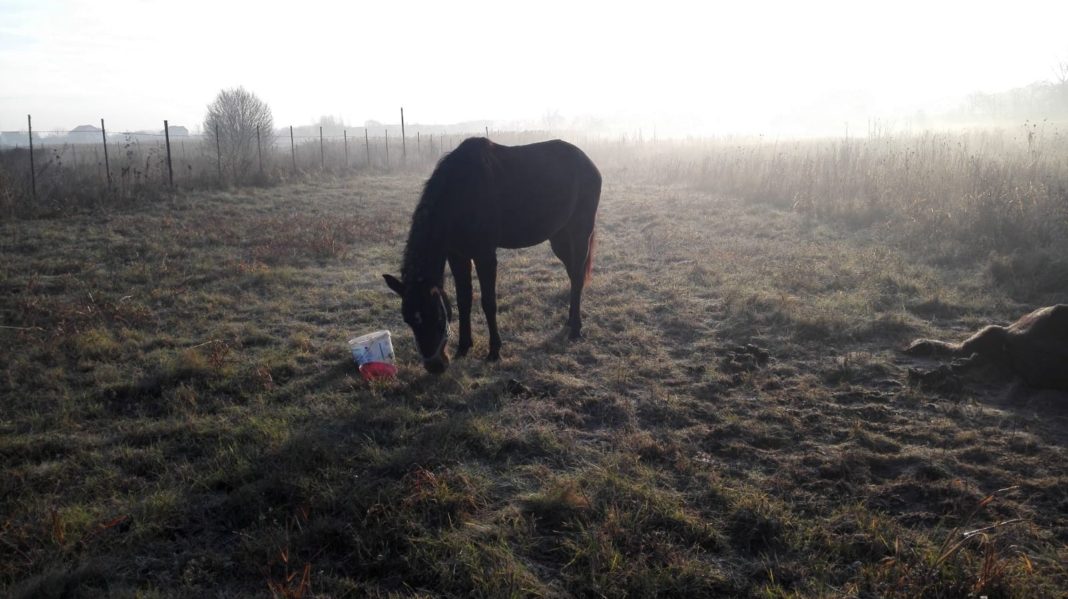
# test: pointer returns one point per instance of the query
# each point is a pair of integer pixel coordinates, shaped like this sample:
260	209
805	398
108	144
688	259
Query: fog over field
677	68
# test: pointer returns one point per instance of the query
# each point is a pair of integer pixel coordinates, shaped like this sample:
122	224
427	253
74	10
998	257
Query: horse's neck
426	251
431	267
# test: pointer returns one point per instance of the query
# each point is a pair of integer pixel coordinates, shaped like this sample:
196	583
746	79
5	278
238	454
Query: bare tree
1060	71
332	125
237	115
1060	87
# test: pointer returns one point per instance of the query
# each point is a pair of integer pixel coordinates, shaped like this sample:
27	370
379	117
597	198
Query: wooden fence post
367	144
167	136
107	165
345	133
33	172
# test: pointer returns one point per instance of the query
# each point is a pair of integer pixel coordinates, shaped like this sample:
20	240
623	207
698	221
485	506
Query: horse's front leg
487	284
461	275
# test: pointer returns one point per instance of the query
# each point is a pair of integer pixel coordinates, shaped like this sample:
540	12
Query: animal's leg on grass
561	244
487	285
461	274
572	248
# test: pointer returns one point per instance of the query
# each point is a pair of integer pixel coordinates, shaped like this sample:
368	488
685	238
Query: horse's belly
531	222
516	243
1044	365
515	237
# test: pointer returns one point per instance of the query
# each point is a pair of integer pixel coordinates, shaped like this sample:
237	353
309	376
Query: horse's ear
394	284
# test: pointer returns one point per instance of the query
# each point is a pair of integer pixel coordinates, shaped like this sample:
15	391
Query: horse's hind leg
574	259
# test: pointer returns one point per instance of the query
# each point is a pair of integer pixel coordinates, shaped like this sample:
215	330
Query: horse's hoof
576	336
493	356
462	351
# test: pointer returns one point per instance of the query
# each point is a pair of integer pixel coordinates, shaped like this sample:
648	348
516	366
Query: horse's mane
459	172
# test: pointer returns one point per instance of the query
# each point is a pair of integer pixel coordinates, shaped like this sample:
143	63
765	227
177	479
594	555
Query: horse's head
426	309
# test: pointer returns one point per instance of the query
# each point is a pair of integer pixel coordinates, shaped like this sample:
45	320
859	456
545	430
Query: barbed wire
25	133
12	139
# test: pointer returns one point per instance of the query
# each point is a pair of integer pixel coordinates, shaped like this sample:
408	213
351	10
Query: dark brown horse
1035	348
483	196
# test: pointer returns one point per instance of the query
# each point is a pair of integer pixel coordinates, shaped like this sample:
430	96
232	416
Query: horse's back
552	163
542	188
1051	321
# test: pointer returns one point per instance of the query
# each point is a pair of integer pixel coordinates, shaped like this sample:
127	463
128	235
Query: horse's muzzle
437	364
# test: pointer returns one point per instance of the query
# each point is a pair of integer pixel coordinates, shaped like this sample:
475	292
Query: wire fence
52	170
349	148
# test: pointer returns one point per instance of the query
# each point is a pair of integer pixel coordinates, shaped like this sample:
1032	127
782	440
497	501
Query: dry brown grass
181	416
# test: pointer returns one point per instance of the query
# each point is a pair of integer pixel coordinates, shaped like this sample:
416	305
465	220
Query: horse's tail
593	199
589	256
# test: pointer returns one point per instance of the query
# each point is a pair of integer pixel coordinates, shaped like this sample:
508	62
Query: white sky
717	65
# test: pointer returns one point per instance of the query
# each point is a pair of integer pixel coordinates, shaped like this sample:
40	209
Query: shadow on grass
367	490
367	496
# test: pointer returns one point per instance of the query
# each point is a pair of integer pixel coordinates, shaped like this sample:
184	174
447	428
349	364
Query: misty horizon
835	116
770	69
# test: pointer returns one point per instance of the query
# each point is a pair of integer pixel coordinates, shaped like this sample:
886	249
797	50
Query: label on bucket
366	354
375	347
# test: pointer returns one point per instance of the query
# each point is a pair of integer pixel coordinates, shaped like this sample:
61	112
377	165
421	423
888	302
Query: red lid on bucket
377	370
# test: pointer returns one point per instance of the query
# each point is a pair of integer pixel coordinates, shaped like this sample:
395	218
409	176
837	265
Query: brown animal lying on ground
1035	348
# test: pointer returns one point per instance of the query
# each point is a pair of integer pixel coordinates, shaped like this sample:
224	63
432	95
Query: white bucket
372	347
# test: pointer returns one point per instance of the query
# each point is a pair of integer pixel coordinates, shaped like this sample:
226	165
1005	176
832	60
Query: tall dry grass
990	189
1001	190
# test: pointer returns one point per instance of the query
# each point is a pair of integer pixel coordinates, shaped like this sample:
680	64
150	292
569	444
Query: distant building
84	134
178	131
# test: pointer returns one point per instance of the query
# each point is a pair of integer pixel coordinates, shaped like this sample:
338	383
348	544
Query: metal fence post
33	172
293	149
167	136
107	165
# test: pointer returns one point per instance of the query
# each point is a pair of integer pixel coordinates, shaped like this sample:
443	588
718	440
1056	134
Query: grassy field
181	417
